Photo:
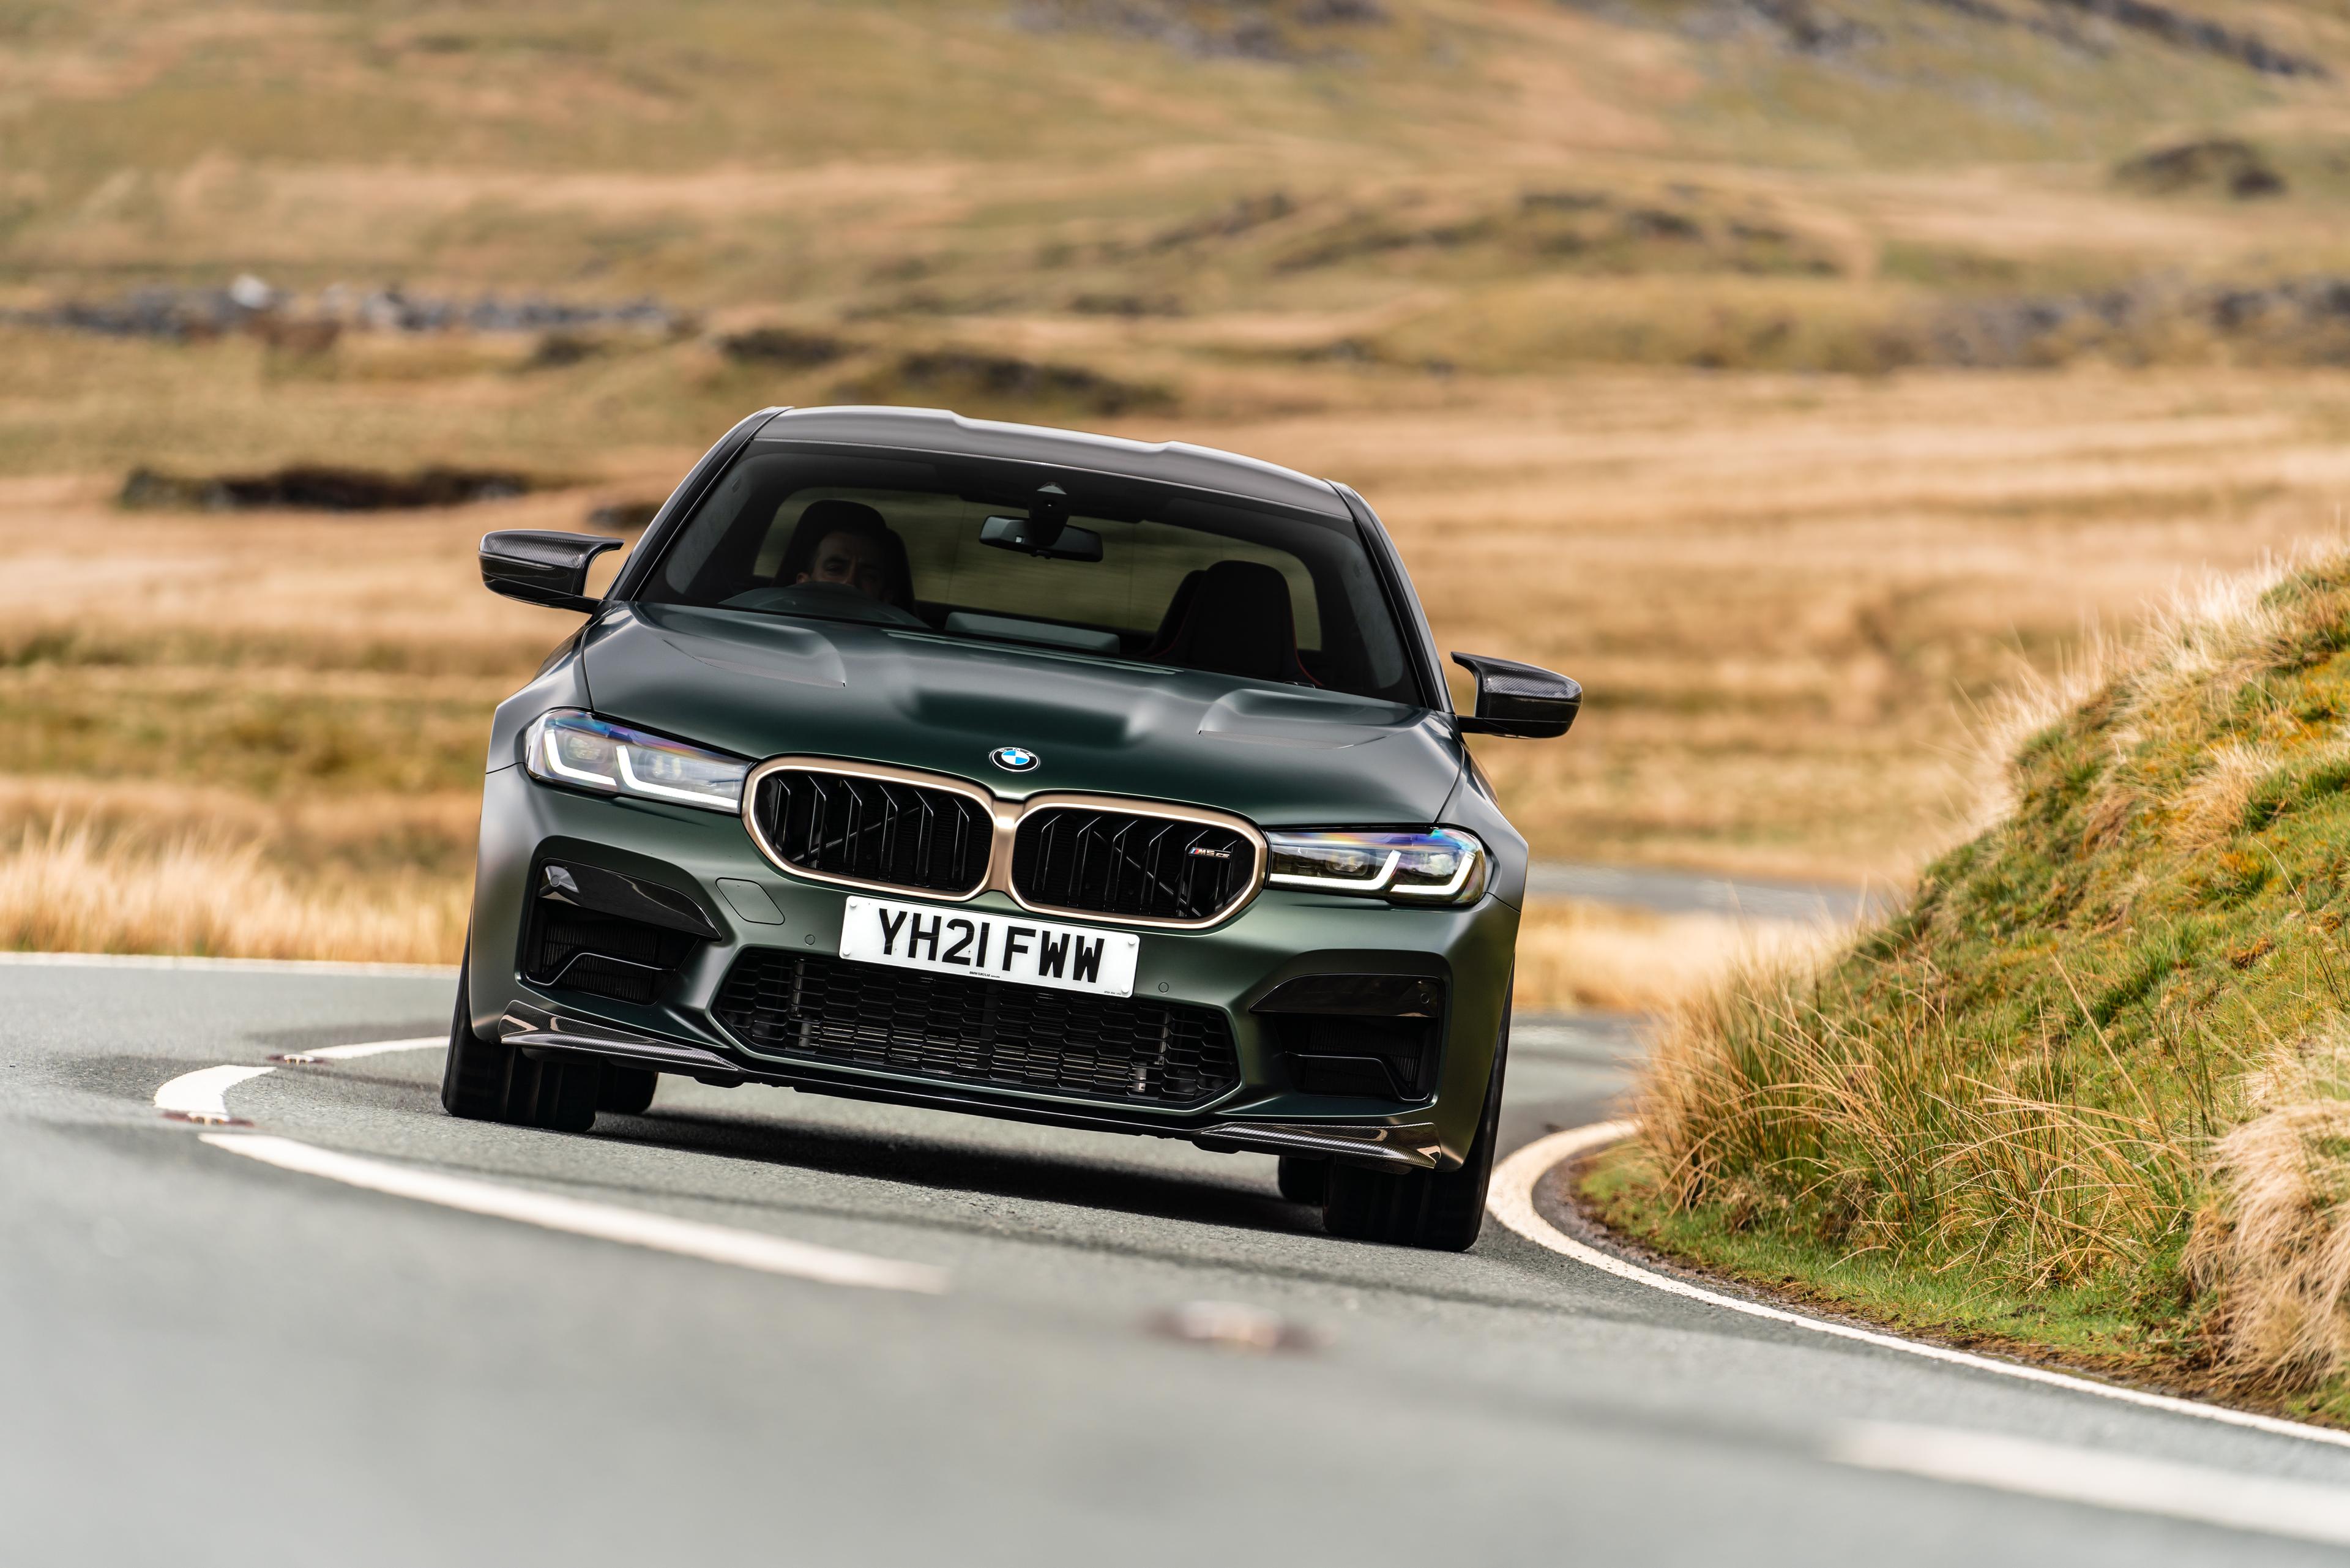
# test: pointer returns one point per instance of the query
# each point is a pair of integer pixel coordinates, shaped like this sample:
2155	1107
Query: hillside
2090	1090
1790	371
1503	184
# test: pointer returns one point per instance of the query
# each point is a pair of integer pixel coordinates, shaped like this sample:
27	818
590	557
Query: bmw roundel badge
1013	759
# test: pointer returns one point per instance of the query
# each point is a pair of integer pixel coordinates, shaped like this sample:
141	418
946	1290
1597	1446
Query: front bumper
1279	936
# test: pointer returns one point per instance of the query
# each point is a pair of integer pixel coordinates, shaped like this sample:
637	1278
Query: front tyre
490	1081
1304	1180
474	1079
627	1091
1441	1210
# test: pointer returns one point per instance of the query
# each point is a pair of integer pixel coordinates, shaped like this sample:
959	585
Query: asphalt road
206	1359
1672	892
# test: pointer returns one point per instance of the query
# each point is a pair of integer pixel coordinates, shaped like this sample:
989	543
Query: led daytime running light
611	759
1299	860
1468	863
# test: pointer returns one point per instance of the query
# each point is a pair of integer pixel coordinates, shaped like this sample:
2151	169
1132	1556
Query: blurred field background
1792	373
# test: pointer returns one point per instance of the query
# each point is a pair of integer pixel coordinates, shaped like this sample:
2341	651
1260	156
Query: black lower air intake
821	1008
1364	1036
609	935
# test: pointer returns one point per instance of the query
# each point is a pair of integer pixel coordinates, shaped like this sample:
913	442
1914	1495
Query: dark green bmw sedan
1015	771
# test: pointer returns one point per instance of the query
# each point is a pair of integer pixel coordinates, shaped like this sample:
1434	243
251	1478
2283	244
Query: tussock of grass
2106	1053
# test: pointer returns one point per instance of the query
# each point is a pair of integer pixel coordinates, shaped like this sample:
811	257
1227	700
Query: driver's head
847	543
853	560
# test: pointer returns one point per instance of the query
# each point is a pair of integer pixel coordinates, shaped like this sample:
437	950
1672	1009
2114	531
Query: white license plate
995	947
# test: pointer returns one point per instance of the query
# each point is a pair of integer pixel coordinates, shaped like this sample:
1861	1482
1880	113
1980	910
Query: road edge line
201	1097
2140	1484
1511	1200
751	1249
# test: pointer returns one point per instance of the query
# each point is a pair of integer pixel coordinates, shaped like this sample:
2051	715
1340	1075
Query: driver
847	543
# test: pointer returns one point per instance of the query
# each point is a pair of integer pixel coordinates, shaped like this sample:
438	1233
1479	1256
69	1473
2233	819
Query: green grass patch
2111	1327
1748	1241
2088	1091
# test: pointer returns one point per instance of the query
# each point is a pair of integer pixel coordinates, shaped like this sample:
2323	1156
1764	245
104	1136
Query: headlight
579	750
1446	866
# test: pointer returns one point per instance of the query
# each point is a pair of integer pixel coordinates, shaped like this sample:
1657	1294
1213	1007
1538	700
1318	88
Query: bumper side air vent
888	832
609	935
1085	860
1367	1036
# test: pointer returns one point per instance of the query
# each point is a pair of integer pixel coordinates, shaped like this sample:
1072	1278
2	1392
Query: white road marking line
1512	1201
198	1096
2228	1498
632	1226
353	1053
201	1097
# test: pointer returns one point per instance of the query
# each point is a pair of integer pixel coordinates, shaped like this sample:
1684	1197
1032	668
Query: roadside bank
2088	1096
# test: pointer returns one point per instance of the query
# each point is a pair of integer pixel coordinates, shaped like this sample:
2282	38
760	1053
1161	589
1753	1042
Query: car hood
761	686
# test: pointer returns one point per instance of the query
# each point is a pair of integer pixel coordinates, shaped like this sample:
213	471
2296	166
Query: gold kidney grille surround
1006	816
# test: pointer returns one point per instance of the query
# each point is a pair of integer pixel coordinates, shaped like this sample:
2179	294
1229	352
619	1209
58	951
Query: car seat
1232	618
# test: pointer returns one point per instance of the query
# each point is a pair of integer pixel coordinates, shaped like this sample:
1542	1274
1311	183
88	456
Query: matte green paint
760	686
1282	756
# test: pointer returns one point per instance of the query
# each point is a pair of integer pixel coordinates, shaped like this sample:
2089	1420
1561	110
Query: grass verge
2083	1327
2092	1089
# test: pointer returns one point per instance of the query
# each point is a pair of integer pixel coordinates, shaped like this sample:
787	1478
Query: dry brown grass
1796	602
1573	956
2277	1240
87	585
70	889
1789	600
1789	596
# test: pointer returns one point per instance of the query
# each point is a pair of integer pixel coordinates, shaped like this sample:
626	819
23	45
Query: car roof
1165	462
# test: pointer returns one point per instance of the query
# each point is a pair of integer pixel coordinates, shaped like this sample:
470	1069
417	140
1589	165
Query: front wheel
1304	1180
490	1081
1441	1210
627	1091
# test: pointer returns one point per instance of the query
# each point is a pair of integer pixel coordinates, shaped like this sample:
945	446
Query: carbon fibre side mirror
1520	700
542	568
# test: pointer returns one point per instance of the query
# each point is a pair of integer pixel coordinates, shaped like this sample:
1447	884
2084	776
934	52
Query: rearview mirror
542	568
1519	700
1066	541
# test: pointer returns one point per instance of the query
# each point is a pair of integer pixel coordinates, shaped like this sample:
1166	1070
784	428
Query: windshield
1020	554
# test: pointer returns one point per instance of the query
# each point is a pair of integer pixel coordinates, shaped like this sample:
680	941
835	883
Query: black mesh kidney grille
1150	867
876	830
827	1009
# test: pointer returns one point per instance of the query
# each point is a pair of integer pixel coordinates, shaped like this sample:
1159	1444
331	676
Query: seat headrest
1235	620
